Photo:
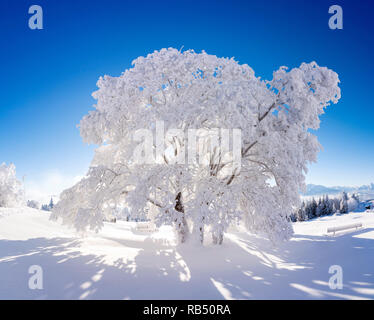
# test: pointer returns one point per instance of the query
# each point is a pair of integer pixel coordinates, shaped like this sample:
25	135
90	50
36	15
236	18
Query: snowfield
120	263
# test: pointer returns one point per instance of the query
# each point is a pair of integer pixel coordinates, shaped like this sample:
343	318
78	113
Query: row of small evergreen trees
35	205
324	206
48	207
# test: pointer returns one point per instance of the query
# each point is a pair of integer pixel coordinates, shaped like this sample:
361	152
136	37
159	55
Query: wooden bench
346	227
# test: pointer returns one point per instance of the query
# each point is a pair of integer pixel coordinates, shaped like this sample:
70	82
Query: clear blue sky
48	75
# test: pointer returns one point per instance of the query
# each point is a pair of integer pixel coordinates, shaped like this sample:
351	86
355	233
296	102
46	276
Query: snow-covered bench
145	226
346	227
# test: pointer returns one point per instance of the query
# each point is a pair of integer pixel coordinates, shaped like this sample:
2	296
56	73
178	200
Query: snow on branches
11	190
195	91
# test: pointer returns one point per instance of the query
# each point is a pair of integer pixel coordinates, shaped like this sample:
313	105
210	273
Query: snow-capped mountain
365	191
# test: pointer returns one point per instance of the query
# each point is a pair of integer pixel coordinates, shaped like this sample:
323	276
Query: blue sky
48	75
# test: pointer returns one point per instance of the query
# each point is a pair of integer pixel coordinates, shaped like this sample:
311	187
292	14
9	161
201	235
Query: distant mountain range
314	190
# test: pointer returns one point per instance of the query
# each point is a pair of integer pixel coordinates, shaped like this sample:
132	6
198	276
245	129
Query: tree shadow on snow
244	267
299	269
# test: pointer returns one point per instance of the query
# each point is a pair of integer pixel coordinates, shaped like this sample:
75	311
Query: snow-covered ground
118	263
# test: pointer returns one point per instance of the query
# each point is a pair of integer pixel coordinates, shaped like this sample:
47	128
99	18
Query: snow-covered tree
327	205
48	207
11	189
344	203
319	208
312	213
356	197
301	213
188	90
353	202
51	204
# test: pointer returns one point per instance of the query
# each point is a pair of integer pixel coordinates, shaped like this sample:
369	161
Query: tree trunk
217	236
181	226
201	234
